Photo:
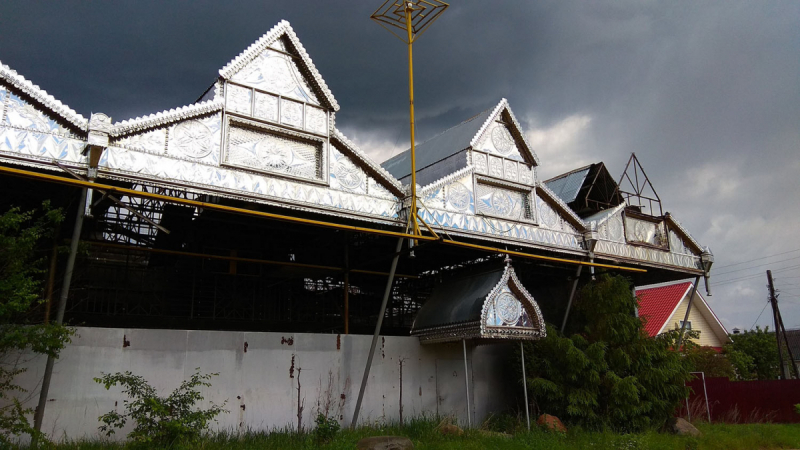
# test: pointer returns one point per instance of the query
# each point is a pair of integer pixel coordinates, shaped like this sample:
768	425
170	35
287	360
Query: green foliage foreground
425	436
605	373
25	237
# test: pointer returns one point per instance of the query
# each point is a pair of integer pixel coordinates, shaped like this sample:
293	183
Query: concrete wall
260	375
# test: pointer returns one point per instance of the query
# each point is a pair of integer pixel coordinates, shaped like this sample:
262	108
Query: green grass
425	436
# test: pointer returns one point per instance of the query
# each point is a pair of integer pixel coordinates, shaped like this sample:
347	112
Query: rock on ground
552	423
385	443
679	426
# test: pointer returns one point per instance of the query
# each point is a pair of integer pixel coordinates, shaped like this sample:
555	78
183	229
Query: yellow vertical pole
413	210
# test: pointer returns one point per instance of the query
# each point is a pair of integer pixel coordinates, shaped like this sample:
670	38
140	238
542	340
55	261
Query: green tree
22	270
710	362
607	373
754	354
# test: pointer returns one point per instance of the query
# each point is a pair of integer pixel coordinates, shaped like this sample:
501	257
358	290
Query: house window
688	324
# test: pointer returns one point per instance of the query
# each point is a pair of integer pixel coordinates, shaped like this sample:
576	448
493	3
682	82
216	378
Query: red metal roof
657	304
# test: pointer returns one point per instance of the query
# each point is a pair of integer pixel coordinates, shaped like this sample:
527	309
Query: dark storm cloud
707	93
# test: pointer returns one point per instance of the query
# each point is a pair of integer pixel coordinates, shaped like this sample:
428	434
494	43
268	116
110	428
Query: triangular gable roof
282	29
63	111
391	183
456	139
548	194
658	304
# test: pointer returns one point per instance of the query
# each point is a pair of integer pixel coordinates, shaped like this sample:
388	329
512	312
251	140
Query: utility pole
774	302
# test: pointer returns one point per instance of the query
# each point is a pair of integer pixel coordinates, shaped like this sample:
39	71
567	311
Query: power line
758	265
759	315
748	276
757	259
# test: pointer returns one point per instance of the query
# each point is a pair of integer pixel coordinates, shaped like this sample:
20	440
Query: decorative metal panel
196	139
510	171
276	72
505	310
239	99
459	196
254	149
266	107
345	175
154	141
525	174
644	231
548	217
506	203
292	113
376	189
647	254
479	161
21	114
240	183
498	140
316	120
495	167
42	146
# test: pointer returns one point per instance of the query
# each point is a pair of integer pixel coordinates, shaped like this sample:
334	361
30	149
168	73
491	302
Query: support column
466	382
571	295
375	335
62	307
686	316
525	385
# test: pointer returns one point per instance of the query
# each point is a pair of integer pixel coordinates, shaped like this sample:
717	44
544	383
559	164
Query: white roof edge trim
716	319
65	112
281	28
678	305
684	231
495	112
165	117
447	179
366	159
543	187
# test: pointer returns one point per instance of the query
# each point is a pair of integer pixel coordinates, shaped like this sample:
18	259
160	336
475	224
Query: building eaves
40	95
397	187
283	27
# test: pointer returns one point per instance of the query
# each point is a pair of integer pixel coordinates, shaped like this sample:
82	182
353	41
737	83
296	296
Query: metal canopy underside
487	306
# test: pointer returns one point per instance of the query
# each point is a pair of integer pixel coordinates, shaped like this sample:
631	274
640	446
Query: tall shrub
606	373
24	237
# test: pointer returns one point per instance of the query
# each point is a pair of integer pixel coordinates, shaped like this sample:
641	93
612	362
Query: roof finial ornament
507	259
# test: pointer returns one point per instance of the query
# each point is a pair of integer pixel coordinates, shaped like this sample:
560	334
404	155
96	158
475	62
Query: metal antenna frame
414	17
639	185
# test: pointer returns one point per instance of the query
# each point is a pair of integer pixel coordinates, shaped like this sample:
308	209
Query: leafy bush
608	373
754	354
326	428
162	421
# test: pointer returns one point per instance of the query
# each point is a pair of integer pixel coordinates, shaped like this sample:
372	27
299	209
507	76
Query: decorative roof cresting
65	112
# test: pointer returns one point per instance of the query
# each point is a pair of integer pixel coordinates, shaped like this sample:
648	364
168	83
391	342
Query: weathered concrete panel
259	376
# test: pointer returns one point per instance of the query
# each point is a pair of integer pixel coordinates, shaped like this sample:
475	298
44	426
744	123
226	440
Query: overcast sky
706	93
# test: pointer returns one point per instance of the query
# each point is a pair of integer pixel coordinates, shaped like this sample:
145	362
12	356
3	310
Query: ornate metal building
250	210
